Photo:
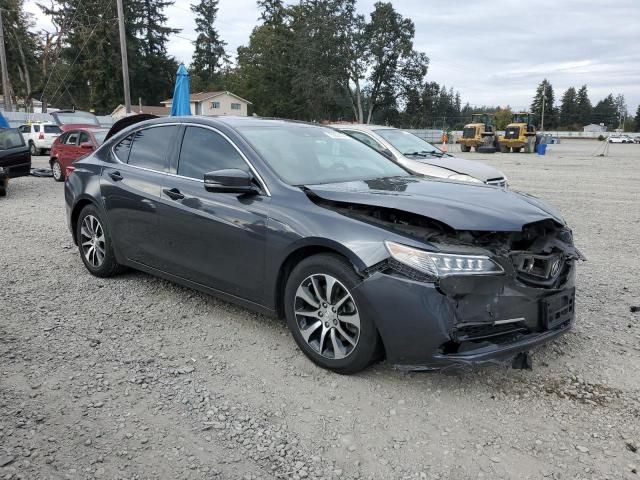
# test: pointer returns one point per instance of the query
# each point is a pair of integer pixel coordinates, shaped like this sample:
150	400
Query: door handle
116	176
173	193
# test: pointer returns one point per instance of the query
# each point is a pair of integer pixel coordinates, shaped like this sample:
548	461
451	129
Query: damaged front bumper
465	319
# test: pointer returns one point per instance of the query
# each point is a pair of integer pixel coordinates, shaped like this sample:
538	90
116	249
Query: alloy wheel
327	316
92	241
56	170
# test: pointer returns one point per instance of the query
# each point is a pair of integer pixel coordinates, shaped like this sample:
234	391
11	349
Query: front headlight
438	265
460	177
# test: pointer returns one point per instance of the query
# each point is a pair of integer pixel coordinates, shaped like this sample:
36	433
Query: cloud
494	53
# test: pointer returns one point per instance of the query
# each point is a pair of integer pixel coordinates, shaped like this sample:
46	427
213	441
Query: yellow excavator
479	133
520	134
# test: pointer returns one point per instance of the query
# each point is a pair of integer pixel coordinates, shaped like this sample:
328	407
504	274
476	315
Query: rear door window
36	128
84	138
72	138
204	151
151	146
122	149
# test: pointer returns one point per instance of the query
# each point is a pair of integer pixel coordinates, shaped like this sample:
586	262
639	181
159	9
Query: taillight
41	136
69	170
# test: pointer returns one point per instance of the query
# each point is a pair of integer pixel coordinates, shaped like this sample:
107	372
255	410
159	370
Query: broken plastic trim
528	251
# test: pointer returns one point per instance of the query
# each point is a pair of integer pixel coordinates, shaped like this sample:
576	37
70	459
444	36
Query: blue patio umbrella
3	122
181	105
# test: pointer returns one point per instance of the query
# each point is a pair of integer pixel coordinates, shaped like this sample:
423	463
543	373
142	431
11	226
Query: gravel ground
135	377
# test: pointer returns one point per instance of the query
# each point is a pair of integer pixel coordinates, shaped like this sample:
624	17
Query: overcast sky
494	53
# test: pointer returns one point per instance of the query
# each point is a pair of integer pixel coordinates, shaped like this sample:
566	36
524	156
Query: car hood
462	206
478	170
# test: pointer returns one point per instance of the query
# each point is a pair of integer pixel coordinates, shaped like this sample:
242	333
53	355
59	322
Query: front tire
32	149
322	309
95	245
56	169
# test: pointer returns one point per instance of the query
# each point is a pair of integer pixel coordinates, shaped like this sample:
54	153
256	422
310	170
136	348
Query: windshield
100	136
308	155
407	143
65	118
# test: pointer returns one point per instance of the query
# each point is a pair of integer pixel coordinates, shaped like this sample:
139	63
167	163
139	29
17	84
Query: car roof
361	126
231	121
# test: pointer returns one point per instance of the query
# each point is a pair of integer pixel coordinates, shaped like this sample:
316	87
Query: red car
72	145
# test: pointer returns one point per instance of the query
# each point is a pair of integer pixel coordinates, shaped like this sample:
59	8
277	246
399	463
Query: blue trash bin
542	149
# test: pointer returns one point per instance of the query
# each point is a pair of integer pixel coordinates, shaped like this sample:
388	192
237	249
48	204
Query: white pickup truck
40	136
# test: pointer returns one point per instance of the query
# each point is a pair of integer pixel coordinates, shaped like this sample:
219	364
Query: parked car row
363	258
624	139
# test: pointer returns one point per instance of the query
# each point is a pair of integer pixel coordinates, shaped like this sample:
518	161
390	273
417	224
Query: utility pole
125	62
6	90
544	97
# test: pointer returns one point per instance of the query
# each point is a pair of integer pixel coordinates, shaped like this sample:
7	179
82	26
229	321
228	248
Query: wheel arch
303	250
75	213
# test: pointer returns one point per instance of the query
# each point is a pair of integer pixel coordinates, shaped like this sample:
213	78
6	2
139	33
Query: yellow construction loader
479	133
520	134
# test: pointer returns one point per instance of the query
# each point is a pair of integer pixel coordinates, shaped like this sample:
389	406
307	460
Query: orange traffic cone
445	139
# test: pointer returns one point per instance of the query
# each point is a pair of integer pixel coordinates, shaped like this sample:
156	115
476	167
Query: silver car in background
419	156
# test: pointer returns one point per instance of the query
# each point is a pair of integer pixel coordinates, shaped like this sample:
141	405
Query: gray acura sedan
362	258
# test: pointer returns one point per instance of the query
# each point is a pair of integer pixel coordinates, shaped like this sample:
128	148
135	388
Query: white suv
40	136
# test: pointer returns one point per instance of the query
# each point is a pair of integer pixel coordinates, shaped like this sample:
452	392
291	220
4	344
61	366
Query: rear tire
486	150
335	334
56	170
95	245
465	148
32	149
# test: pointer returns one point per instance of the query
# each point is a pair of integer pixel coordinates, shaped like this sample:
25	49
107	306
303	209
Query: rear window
10	138
52	129
150	147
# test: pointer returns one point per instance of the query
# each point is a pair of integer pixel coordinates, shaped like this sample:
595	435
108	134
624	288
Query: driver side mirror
231	180
86	146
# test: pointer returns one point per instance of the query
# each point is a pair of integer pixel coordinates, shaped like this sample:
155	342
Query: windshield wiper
424	153
415	154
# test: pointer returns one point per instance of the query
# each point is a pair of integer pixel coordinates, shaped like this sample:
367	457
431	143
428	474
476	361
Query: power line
79	53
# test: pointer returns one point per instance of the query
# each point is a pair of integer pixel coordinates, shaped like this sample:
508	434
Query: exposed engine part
541	254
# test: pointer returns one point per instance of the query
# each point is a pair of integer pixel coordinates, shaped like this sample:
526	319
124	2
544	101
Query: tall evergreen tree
545	88
88	74
264	72
21	49
606	112
209	55
637	119
154	73
569	108
583	107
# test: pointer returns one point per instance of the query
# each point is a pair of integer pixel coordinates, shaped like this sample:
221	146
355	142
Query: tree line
315	60
576	110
